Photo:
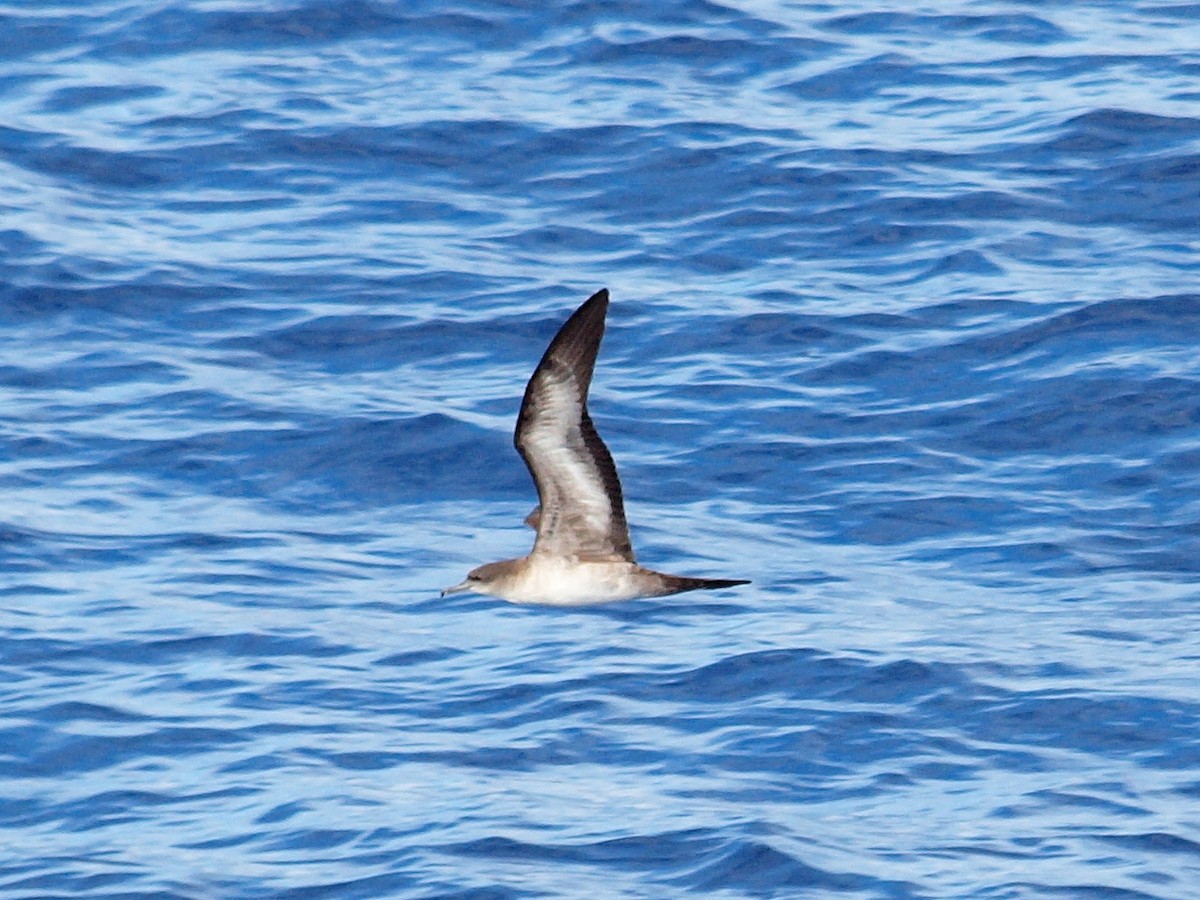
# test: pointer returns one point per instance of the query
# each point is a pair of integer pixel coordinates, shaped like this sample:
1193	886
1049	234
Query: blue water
905	328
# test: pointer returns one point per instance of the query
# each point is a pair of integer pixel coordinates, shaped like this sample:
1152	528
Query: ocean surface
905	329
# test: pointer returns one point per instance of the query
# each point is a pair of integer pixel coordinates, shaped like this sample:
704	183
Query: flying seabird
582	552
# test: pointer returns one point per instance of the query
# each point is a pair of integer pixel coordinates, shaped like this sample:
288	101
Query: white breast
556	581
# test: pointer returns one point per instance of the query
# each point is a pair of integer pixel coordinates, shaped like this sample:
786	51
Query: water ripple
903	330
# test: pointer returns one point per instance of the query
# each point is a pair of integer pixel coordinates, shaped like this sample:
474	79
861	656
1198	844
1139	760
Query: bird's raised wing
581	513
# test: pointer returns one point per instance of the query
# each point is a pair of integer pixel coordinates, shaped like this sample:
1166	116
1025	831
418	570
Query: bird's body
582	553
546	578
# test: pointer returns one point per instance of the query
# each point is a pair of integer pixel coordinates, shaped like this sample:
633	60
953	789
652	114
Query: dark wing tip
585	325
577	341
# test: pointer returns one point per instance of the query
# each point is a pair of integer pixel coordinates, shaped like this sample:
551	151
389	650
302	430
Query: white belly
558	582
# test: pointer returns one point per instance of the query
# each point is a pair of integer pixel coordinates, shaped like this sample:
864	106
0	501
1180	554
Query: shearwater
582	552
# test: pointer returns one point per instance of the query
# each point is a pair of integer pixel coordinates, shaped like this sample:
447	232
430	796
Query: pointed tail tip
703	584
